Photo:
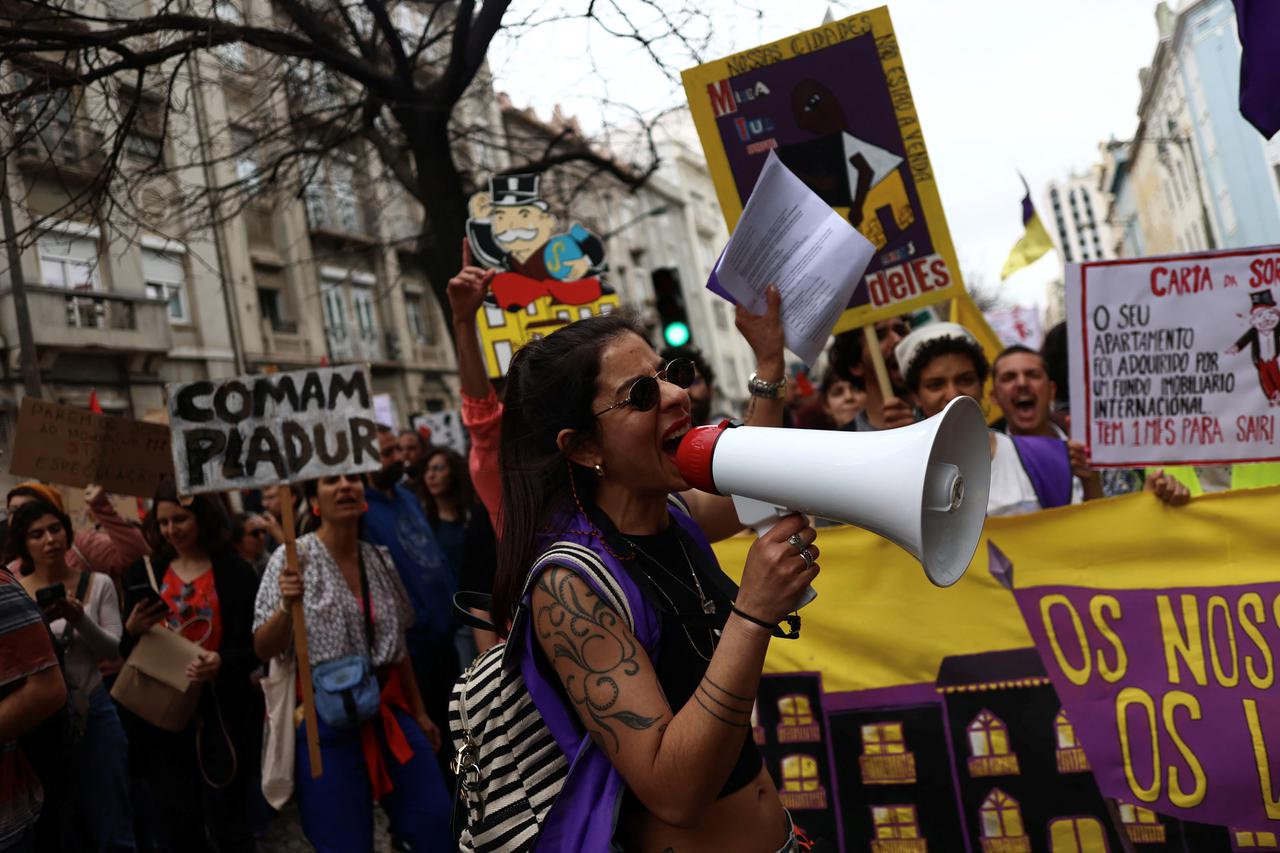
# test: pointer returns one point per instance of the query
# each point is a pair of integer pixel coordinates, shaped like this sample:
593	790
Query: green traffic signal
676	334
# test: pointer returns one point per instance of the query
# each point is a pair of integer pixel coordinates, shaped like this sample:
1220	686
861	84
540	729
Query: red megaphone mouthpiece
693	456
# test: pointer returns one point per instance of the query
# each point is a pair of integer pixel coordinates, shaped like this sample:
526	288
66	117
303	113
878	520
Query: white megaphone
923	487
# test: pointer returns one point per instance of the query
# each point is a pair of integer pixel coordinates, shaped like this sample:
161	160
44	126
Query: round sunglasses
644	393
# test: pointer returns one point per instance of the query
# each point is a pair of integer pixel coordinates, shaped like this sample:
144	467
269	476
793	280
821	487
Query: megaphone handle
762	517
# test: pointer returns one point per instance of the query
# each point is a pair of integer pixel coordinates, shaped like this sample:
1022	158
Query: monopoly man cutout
546	278
1263	340
512	229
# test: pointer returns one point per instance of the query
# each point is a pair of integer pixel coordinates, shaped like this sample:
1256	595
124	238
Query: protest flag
1032	244
94	405
1259	26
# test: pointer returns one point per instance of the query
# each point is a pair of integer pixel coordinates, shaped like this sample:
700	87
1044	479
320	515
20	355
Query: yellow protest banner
835	105
1124	685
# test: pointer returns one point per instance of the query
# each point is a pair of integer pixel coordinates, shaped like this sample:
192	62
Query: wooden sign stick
300	640
877	360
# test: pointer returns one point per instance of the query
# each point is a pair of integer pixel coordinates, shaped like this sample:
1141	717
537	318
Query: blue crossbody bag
346	689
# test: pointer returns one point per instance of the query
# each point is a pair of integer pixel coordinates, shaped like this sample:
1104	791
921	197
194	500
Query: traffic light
669	302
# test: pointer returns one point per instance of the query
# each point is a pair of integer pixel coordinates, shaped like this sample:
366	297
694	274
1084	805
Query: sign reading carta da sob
1171	692
253	431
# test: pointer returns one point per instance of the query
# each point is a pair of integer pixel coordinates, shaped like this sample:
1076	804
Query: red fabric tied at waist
392	697
375	762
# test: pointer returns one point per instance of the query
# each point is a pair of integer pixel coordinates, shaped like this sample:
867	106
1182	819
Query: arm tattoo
749	700
723	705
719	715
587	633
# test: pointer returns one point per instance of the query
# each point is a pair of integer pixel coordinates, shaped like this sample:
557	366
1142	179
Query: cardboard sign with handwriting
74	447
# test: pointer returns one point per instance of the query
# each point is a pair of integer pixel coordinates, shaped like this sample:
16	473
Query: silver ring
808	558
796	542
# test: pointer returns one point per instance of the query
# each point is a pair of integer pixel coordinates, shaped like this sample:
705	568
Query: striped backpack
509	768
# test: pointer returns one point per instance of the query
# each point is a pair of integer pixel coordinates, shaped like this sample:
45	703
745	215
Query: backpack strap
568	554
583	561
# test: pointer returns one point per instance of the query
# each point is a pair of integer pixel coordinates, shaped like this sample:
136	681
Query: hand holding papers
788	236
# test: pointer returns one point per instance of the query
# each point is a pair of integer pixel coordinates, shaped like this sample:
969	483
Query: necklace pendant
708	607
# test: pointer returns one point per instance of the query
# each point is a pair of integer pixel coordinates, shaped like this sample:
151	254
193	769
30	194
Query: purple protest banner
1171	693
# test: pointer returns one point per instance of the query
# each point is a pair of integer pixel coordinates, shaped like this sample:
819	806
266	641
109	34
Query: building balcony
1072	760
807	733
899	845
899	769
993	765
803	800
1145	833
1008	844
281	342
90	320
59	150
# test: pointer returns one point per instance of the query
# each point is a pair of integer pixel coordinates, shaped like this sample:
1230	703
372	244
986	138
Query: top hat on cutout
1261	299
514	190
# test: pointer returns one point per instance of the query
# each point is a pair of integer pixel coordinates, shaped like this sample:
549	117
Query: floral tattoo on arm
576	626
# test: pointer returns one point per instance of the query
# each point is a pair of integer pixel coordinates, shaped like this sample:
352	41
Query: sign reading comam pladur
834	103
259	430
1175	360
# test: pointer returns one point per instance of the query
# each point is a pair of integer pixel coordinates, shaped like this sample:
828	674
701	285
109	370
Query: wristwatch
767	390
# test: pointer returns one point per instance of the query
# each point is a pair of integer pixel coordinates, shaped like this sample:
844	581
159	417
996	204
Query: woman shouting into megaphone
644	669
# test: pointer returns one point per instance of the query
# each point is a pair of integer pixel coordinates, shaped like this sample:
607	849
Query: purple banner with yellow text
1171	692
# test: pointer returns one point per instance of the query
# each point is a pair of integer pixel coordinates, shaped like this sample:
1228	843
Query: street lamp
657	211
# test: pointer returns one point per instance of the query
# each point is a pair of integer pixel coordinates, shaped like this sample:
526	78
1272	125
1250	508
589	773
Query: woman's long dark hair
212	520
20	522
550	387
461	493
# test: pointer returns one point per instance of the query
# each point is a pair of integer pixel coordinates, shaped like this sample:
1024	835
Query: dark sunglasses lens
644	394
681	372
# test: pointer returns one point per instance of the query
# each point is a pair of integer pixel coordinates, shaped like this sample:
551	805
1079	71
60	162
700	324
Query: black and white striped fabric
509	768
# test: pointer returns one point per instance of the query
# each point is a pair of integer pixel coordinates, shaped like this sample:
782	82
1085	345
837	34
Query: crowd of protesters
381	557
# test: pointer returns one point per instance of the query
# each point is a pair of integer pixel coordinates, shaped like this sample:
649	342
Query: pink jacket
483	419
111	547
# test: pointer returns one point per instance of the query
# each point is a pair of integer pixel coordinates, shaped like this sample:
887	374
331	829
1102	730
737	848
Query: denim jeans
337	808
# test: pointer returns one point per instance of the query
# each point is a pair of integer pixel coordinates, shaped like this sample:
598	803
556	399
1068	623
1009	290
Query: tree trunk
445	207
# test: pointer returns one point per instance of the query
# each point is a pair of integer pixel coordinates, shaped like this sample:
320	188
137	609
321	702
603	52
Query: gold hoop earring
599	470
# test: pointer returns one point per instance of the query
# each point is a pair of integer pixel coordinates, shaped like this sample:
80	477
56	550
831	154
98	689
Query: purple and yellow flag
1034	242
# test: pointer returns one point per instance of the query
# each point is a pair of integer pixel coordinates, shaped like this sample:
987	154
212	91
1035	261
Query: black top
662	567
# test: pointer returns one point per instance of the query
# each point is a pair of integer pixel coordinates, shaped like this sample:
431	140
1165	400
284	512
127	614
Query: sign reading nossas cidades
258	430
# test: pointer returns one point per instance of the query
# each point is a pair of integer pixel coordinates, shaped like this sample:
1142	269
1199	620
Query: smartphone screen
48	594
146	593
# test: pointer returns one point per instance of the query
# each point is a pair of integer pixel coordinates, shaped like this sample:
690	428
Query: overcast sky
1000	85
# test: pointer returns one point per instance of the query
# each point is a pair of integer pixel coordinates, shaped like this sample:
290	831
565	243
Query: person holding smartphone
83	615
195	584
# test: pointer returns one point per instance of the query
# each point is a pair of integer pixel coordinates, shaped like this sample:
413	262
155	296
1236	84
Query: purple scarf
585	813
1048	466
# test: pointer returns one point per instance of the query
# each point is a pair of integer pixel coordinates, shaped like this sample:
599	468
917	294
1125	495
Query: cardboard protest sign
253	431
548	276
1176	360
1017	324
384	410
74	447
835	105
942	719
446	429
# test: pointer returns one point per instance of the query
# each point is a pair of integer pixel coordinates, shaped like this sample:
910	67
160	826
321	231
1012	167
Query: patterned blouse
335	626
